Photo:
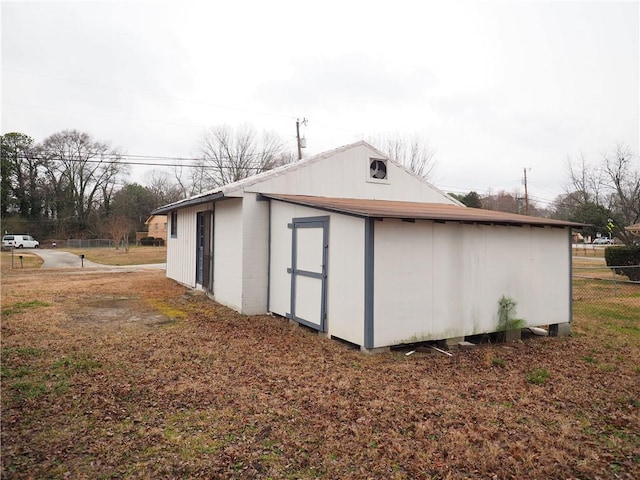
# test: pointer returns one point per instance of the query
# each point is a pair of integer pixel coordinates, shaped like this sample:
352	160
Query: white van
20	241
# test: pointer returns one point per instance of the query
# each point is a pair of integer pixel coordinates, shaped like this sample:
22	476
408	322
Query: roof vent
377	169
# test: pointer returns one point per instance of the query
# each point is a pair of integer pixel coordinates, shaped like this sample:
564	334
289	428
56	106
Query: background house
156	228
354	245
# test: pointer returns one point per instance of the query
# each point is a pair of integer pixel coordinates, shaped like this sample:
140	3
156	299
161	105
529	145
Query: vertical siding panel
227	254
345	300
403	283
547	299
280	280
448	296
255	251
181	251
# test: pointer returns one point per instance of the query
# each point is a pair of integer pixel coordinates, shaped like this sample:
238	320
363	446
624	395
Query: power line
114	159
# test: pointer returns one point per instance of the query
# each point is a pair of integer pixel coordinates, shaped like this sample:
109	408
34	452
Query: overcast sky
493	87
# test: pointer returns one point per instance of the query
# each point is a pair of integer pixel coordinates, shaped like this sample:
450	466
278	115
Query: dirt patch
113	312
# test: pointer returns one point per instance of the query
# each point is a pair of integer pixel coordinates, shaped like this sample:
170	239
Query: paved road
59	259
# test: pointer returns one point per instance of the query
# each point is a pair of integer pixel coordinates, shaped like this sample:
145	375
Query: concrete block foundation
560	330
374	351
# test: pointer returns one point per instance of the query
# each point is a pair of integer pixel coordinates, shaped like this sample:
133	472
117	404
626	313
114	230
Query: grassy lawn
29	260
136	255
122	375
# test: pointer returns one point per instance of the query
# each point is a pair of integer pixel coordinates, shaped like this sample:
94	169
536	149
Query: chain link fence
89	243
603	284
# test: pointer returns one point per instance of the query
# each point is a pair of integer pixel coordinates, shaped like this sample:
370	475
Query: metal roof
417	211
197	200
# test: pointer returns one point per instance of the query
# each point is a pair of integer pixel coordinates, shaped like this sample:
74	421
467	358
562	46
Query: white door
309	253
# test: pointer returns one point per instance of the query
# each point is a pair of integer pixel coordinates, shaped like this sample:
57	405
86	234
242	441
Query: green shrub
622	257
506	315
155	241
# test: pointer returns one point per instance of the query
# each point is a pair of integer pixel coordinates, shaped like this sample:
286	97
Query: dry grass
136	255
29	260
581	262
123	375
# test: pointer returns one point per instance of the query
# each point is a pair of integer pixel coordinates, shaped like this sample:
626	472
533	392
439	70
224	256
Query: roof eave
212	197
431	217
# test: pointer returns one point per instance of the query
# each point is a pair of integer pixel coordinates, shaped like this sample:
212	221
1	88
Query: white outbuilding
355	246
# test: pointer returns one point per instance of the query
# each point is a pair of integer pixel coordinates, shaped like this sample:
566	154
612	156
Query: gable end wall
345	175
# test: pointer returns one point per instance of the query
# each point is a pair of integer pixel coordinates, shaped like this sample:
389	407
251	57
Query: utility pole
300	141
526	193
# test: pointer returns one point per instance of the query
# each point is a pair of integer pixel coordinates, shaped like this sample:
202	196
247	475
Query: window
174	224
377	171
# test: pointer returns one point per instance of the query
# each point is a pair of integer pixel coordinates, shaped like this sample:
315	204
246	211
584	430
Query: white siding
345	270
345	175
181	250
403	272
279	279
345	312
227	255
255	253
436	281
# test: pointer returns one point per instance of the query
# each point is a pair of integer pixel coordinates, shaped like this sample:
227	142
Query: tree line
68	185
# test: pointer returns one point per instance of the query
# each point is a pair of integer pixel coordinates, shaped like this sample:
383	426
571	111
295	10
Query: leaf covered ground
127	375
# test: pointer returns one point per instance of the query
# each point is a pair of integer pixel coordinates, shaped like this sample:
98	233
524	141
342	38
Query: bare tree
164	190
117	228
196	179
80	171
610	188
232	154
623	181
586	180
412	151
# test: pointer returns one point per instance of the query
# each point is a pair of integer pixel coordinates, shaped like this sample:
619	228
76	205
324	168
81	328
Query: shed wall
255	254
181	250
345	270
227	254
345	310
436	281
